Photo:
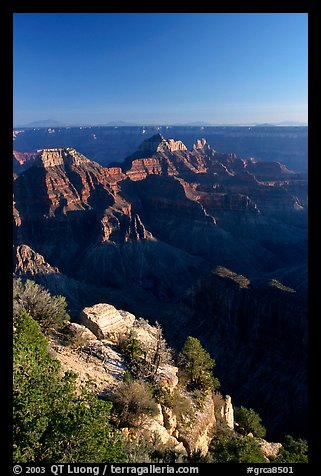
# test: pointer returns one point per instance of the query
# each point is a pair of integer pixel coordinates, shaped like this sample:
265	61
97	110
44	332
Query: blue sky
156	68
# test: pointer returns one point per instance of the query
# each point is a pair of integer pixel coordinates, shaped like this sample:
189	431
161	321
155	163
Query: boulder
106	322
196	432
79	330
167	376
269	448
152	429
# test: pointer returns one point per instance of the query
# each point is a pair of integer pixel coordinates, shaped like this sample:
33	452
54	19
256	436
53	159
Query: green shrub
132	400
128	377
182	405
249	422
162	395
49	311
52	422
199	397
196	457
235	449
177	401
292	451
139	449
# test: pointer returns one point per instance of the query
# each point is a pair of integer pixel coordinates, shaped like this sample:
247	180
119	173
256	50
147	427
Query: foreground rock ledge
106	322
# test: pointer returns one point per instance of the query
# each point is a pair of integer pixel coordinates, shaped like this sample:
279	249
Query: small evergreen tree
198	364
249	422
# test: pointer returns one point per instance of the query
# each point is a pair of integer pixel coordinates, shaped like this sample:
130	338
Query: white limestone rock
106	322
227	412
170	421
166	376
82	331
269	448
152	428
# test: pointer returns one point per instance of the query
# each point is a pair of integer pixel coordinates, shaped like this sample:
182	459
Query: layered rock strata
105	321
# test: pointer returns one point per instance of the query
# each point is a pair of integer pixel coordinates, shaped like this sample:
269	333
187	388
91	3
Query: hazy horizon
60	124
160	68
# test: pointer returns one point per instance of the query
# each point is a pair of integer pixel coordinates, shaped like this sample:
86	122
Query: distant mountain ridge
120	123
44	123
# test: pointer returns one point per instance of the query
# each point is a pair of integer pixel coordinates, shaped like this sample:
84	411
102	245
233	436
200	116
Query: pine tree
198	364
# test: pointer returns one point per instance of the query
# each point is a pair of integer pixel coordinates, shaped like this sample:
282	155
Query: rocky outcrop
201	144
62	156
92	360
105	321
113	176
51	157
173	146
23	161
81	332
141	168
29	263
197	431
154	431
170	420
269	448
152	428
167	377
16	217
227	412
63	180
101	362
158	143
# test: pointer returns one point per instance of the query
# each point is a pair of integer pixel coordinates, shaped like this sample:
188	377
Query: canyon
201	241
106	144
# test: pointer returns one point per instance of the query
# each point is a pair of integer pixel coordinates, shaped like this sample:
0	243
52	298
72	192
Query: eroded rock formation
227	412
105	321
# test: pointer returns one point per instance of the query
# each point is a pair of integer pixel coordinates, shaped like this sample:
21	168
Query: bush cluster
292	451
55	422
49	311
249	422
132	400
235	449
52	422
